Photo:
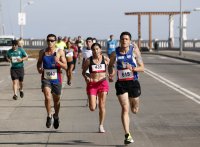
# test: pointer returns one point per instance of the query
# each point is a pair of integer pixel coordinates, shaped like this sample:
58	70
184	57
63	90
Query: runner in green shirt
16	56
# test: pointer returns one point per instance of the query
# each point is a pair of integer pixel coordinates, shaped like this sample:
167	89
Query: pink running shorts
93	88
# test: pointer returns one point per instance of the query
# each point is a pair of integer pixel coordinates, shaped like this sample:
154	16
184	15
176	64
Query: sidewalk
191	56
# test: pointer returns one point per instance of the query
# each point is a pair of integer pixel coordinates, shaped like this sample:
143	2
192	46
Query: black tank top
97	68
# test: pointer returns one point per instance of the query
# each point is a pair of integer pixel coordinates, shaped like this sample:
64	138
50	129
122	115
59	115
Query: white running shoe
101	129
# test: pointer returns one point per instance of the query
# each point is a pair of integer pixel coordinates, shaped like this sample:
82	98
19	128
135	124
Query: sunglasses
49	40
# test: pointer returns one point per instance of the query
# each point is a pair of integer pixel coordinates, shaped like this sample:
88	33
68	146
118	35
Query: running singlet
97	68
124	74
111	45
69	52
52	71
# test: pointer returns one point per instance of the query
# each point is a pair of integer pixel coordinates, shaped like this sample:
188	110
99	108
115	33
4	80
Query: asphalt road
169	110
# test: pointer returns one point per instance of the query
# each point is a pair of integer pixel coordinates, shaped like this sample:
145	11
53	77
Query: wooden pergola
139	14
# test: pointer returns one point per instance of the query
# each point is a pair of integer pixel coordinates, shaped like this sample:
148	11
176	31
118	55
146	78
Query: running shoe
69	83
49	122
56	122
15	97
21	93
101	129
128	139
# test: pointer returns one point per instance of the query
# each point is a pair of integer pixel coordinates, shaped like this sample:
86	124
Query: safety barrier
187	44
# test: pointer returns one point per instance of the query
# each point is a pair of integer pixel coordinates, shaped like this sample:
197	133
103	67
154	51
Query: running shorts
132	87
17	73
55	88
93	88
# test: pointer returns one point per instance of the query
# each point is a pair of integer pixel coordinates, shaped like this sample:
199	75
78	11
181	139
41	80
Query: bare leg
92	102
102	107
20	85
124	102
56	99
15	86
134	102
47	95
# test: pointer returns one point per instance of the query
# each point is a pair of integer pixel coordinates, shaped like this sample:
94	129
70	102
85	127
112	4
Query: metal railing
163	44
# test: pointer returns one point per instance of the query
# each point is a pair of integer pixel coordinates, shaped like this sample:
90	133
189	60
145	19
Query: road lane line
191	95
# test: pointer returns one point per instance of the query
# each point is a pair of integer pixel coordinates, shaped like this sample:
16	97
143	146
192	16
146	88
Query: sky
96	18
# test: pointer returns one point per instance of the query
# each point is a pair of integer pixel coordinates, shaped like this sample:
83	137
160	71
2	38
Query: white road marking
191	95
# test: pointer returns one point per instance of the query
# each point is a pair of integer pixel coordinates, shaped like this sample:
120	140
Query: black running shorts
132	87
17	73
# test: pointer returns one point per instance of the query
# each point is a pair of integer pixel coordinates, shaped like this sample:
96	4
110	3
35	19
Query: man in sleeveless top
49	64
97	85
129	62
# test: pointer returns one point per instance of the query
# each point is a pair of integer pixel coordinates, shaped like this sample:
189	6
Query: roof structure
139	14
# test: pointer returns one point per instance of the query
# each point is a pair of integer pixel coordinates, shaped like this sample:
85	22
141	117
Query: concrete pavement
191	56
22	122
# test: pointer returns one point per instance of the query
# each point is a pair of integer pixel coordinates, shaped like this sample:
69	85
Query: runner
129	63
80	44
16	56
111	45
97	85
60	43
49	64
87	52
69	51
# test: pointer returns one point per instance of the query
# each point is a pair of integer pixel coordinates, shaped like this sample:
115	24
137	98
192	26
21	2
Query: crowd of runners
122	62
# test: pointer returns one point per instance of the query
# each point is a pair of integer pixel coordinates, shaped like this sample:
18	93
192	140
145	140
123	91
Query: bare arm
60	59
83	62
140	67
111	70
39	62
84	69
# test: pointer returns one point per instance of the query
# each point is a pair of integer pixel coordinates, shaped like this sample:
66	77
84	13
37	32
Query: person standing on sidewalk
129	62
16	56
97	85
49	64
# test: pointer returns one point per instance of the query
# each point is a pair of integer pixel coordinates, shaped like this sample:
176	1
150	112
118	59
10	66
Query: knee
135	110
92	108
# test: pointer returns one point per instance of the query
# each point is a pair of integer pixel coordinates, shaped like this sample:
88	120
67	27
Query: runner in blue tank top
49	64
129	63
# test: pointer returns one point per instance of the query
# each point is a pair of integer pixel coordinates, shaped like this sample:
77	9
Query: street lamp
22	16
181	30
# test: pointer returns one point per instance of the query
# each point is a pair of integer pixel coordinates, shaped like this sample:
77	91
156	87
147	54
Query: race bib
111	46
14	59
125	75
98	68
69	54
50	74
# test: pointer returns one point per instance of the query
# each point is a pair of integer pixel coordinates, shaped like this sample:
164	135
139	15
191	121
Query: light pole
181	30
22	16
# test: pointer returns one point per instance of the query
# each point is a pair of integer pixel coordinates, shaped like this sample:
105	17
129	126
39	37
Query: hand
19	59
56	59
110	77
9	60
87	79
129	66
40	70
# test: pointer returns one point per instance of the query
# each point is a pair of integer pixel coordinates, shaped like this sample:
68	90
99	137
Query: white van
5	45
